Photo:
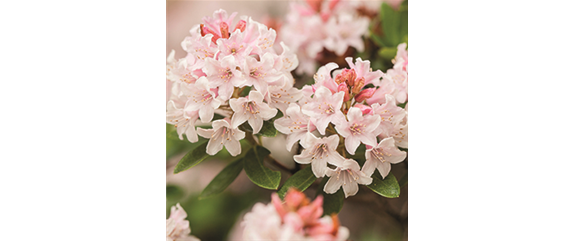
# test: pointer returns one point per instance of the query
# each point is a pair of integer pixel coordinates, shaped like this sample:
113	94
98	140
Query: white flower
347	175
202	98
324	108
223	73
359	129
261	73
222	135
381	157
281	96
251	109
177	228
319	152
263	223
294	124
183	120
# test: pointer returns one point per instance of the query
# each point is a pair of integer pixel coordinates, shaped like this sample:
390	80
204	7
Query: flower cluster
177	228
316	25
356	106
231	69
295	219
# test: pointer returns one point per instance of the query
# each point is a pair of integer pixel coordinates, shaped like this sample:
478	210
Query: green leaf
267	130
300	180
389	187
245	91
192	158
332	203
223	179
395	25
258	173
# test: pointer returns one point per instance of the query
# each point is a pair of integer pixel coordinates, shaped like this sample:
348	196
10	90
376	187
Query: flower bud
358	85
348	76
224	29
365	94
364	108
343	88
205	30
240	25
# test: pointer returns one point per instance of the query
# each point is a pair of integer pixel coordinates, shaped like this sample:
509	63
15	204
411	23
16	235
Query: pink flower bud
315	4
343	88
365	94
347	75
364	108
332	4
224	29
358	85
205	30
240	25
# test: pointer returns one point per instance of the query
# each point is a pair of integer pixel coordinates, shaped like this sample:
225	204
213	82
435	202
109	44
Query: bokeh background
367	215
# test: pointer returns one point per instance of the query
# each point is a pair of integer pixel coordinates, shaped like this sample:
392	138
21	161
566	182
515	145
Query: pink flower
402	59
347	175
325	108
234	46
323	77
363	70
391	117
263	223
399	79
177	228
221	135
345	31
199	48
358	129
215	25
184	120
202	98
224	74
294	124
381	157
319	152
281	96
261	73
251	109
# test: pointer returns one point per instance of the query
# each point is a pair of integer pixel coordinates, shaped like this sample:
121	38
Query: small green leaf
403	105
389	187
223	179
192	158
258	173
245	91
332	203
300	180
267	130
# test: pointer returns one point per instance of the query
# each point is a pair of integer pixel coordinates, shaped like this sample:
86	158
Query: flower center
250	107
379	154
357	129
320	151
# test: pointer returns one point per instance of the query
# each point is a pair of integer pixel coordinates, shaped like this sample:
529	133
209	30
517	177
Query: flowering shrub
234	89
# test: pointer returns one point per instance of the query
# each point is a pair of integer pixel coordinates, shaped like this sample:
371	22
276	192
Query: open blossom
358	129
261	73
325	108
202	98
319	152
184	120
177	228
345	31
391	116
382	156
294	124
221	135
224	74
347	175
251	109
281	96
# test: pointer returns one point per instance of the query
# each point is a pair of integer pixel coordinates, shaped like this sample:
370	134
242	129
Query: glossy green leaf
173	193
258	173
332	203
223	179
300	180
267	130
389	187
192	158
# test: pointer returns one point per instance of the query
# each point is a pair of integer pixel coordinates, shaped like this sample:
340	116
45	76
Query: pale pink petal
333	184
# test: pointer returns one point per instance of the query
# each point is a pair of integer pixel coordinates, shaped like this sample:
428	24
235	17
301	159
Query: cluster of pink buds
315	25
231	69
338	114
297	218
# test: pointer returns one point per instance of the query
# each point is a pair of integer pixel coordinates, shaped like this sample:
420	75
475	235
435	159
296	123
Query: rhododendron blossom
349	176
319	152
177	228
382	156
232	70
296	218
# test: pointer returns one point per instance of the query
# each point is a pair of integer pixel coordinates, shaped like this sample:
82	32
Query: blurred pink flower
177	228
